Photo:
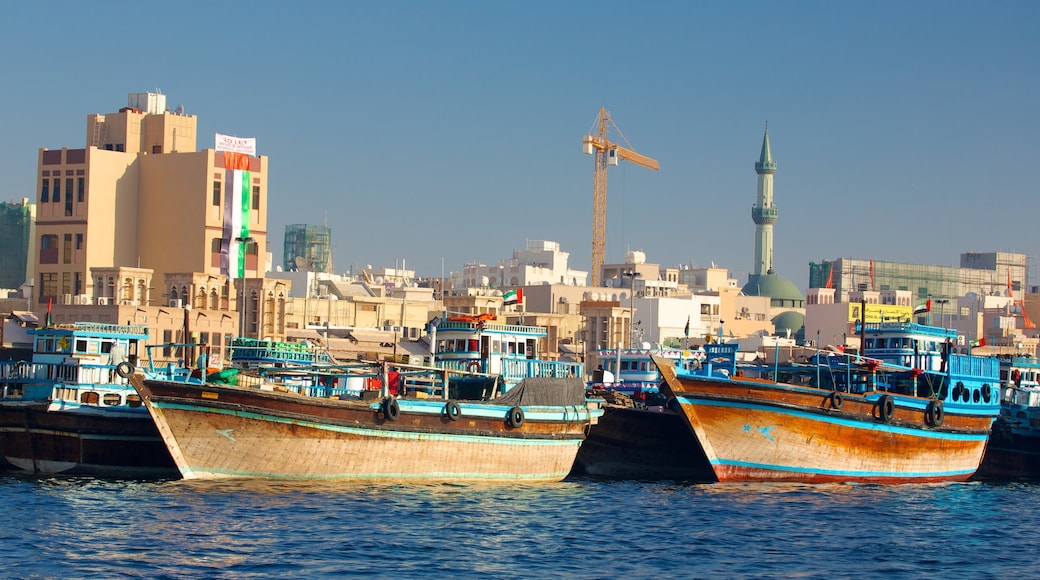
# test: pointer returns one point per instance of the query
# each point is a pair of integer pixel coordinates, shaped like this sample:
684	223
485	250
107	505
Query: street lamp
942	304
245	241
631	275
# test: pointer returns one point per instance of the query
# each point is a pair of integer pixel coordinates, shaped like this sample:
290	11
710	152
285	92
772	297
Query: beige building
138	195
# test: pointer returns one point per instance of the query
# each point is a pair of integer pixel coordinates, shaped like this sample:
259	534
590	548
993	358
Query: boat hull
218	431
757	430
1010	456
630	443
44	442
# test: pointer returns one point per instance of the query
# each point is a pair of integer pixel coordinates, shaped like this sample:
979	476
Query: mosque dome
782	292
790	321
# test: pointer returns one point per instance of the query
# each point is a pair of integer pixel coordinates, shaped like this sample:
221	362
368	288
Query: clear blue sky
449	132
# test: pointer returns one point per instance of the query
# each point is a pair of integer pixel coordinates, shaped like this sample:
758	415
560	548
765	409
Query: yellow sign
880	312
209	395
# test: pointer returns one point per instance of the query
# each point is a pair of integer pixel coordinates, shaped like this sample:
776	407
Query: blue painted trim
825	418
843	473
383	433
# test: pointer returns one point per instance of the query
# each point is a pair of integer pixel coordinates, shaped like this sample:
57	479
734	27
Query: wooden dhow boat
908	409
315	429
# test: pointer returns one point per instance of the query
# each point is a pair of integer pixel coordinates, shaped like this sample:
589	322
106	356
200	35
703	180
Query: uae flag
979	342
513	297
237	203
926	307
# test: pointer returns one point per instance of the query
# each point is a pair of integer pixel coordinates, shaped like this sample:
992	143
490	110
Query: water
83	527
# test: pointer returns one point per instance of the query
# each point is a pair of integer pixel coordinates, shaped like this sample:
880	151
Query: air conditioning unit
66	299
176	303
83	299
103	300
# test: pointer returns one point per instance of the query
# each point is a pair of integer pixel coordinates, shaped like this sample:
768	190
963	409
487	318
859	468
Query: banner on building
245	145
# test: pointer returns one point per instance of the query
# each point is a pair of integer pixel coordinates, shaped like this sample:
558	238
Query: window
214	246
57	190
256	197
68	196
66	256
79	241
81	190
45	191
66	282
49	249
48	285
216	193
157	149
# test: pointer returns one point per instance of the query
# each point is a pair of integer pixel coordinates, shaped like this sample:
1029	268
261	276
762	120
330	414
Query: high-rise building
140	195
16	236
307	248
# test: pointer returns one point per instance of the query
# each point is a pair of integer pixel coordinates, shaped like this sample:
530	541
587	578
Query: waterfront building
139	195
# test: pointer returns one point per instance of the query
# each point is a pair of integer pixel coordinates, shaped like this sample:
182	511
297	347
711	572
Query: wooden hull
218	431
756	430
629	443
1010	456
39	441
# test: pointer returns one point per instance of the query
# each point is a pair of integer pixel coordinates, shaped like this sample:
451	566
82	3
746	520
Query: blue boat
71	410
906	409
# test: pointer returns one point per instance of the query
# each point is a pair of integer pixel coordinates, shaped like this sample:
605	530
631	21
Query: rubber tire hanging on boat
125	369
986	392
391	410
934	414
886	407
452	410
473	367
836	400
515	417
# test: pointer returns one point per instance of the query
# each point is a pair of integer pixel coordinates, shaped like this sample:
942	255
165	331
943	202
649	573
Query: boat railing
515	369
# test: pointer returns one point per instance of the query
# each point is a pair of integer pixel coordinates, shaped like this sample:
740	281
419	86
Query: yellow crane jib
607	153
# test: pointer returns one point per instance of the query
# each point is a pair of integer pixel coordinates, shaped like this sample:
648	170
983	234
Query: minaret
764	212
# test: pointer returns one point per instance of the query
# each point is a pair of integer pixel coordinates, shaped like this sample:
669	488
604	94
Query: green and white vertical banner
237	203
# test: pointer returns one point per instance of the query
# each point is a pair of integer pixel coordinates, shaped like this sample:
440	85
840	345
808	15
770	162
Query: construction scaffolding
993	273
16	225
308	248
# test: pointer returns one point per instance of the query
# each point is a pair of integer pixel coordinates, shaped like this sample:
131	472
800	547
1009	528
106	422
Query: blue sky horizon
448	133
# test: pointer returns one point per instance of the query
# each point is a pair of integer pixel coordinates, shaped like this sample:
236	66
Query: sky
431	134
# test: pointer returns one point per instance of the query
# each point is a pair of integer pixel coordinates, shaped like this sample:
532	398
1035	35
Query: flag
926	307
50	319
687	331
513	296
979	342
235	239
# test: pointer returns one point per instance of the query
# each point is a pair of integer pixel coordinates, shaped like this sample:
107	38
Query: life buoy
515	417
124	369
934	414
836	400
391	410
452	410
473	367
886	408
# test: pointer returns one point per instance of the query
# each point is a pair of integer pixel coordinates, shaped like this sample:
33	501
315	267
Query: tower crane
607	153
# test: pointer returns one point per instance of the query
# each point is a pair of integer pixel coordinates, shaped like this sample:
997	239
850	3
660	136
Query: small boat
1013	452
70	409
486	410
908	409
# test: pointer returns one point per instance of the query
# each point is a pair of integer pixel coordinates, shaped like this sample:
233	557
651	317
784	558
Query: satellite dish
484	280
179	110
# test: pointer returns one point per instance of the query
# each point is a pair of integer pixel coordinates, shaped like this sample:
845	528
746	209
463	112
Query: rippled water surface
79	528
